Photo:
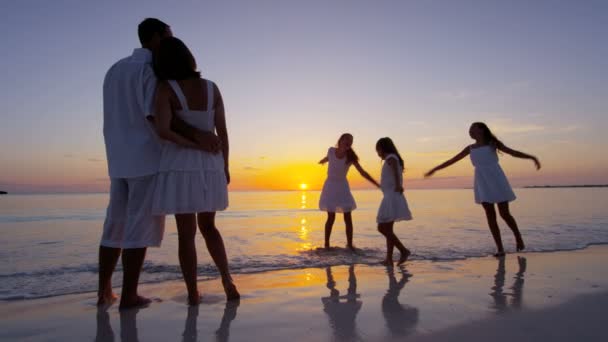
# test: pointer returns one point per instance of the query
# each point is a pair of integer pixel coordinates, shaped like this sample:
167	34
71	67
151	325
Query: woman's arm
164	114
222	130
324	160
393	164
518	154
365	175
465	152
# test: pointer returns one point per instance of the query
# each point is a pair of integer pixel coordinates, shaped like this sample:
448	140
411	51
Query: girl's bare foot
137	302
230	289
107	298
520	245
404	257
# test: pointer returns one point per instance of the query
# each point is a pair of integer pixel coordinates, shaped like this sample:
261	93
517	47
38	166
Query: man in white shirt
133	151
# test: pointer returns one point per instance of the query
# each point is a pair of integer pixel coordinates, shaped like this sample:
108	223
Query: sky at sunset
296	74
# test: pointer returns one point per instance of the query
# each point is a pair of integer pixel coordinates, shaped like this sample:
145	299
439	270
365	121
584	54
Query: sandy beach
525	297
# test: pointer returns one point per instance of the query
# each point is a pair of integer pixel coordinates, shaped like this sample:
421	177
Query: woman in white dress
394	205
491	185
336	196
191	183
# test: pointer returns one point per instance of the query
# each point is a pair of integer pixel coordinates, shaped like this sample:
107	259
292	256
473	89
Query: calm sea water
49	243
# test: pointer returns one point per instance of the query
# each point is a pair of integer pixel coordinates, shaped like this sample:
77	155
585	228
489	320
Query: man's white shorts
129	221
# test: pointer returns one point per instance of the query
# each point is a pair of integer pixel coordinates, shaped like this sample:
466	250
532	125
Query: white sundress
394	206
491	184
336	196
190	180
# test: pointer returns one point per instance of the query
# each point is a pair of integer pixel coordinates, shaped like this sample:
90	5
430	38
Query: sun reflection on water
303	232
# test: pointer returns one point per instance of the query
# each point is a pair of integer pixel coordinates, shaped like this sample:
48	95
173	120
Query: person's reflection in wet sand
190	331
104	331
518	284
499	296
223	333
128	325
342	314
400	319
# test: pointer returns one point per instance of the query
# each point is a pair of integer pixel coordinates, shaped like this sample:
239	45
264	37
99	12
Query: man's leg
132	262
108	257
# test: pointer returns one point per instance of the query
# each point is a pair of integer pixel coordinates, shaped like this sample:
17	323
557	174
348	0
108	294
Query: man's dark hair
148	28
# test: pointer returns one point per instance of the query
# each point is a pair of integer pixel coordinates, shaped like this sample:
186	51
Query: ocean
49	243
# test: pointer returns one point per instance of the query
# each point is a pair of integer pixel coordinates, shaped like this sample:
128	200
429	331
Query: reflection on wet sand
104	331
400	319
342	314
223	332
500	297
128	324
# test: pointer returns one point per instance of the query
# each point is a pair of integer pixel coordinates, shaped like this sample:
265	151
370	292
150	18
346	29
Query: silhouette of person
342	314
400	319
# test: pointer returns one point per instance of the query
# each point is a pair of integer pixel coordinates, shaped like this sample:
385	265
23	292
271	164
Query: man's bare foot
194	299
230	289
107	298
327	246
404	257
386	262
137	302
500	254
520	245
351	247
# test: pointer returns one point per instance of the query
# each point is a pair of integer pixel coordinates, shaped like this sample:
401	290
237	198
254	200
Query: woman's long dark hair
351	156
174	61
487	134
387	146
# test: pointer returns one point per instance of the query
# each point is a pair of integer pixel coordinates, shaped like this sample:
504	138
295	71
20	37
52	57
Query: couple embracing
164	157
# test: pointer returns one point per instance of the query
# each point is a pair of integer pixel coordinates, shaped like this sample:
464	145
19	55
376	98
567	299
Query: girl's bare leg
503	209
215	246
493	225
186	232
348	221
331	217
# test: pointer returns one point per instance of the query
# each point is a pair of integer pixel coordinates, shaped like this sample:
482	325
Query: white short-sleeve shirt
132	147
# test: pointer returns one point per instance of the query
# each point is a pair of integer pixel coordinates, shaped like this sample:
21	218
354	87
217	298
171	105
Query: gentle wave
157	273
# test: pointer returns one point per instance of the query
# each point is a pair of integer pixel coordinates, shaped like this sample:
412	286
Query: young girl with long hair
491	185
336	195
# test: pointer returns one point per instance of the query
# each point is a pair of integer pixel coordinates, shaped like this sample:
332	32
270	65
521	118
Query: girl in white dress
394	205
336	195
191	183
491	185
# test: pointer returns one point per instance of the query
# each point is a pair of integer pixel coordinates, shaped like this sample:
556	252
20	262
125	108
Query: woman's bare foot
107	298
404	257
520	245
137	302
230	289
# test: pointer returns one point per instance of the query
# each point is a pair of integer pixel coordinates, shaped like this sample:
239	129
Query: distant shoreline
317	190
566	186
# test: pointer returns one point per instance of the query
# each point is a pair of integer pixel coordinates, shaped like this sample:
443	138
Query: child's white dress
491	184
190	180
336	196
394	205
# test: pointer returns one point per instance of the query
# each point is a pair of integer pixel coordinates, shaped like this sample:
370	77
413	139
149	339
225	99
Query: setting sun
303	186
